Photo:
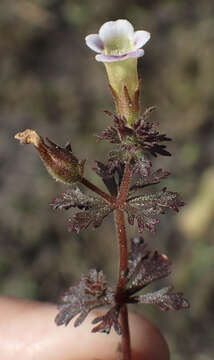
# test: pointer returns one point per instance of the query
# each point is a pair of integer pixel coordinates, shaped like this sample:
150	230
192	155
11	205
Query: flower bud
59	162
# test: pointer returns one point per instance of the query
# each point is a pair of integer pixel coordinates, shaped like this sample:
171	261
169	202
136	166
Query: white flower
117	41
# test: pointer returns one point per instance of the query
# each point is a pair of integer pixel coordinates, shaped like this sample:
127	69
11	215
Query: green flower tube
119	47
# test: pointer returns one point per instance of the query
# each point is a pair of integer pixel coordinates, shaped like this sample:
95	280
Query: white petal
108	58
116	28
141	38
94	42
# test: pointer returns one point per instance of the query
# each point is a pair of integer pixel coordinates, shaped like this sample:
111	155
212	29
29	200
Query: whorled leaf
72	198
108	175
142	167
91	292
146	208
111	134
145	176
93	216
145	266
116	133
149	138
107	321
164	299
142	136
112	174
93	209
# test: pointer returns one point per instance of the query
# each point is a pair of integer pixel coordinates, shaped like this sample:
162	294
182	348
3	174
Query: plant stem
98	191
123	265
123	251
124	187
126	344
123	262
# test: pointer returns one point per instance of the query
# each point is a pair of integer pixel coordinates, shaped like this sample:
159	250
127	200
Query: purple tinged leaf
107	174
91	292
144	266
148	111
93	209
143	136
111	134
107	321
66	314
149	138
116	133
138	250
152	267
81	318
147	208
146	177
72	198
164	299
95	216
142	168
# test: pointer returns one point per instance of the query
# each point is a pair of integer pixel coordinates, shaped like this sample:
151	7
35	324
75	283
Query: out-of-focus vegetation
50	82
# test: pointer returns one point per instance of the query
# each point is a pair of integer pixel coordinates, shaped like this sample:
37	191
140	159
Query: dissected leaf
93	209
95	216
116	133
149	138
145	266
107	174
91	292
146	209
142	135
148	111
142	167
138	250
146	176
111	134
72	198
107	321
164	299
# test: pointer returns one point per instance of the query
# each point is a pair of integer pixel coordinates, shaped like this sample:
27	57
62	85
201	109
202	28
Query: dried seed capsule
60	162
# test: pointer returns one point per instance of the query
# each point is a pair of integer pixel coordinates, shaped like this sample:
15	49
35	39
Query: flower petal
94	42
118	28
140	38
107	58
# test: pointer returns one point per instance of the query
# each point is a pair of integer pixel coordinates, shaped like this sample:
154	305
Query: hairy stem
123	265
98	191
123	260
123	251
125	185
126	344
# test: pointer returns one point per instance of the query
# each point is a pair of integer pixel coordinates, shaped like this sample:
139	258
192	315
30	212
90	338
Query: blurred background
50	82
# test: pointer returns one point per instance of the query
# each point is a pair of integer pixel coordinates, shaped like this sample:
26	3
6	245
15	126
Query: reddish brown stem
123	265
98	191
126	344
124	187
123	262
123	251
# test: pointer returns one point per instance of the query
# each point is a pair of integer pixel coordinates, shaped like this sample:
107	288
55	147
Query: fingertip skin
147	341
28	332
